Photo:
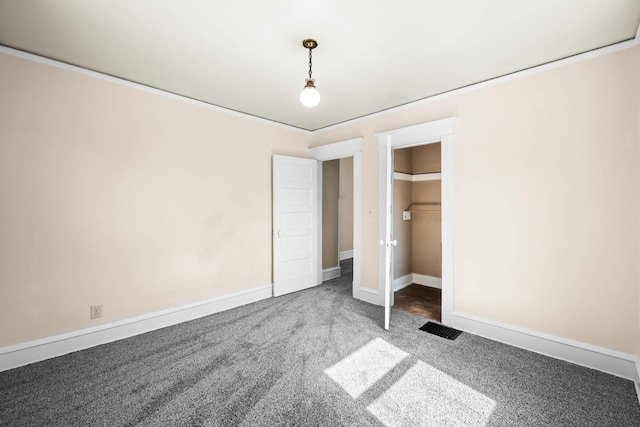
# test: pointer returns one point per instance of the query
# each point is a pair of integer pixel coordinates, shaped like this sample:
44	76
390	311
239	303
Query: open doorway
337	218
417	228
353	149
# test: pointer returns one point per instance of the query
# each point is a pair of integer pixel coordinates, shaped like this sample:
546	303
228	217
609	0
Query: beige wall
427	230
402	230
426	159
346	204
115	196
427	226
403	160
545	198
330	192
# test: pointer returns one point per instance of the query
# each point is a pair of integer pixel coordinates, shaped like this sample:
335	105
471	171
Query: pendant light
310	97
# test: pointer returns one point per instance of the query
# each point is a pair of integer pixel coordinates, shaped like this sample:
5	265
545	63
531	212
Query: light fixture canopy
310	97
309	43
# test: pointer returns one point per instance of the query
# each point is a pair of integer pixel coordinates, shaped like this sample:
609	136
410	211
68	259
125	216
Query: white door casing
339	150
295	224
412	136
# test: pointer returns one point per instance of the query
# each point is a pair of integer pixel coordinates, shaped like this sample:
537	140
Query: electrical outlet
95	311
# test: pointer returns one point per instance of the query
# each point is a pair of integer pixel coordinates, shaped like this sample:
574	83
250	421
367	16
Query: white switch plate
406	215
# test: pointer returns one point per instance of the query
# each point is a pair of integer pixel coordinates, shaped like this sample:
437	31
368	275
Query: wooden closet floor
424	301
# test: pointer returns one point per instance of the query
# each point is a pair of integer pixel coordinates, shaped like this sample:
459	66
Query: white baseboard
421	279
610	361
402	282
57	345
369	295
600	358
331	273
346	255
418	279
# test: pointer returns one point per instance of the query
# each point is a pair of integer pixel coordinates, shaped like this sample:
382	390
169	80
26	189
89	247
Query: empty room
320	213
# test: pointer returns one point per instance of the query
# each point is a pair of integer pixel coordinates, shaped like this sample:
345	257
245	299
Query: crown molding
606	50
149	89
444	95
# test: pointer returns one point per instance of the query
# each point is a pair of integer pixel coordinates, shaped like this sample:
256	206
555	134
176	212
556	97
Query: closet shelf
424	207
435	176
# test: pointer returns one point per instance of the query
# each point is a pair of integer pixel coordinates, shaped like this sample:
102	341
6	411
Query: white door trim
340	150
426	133
388	241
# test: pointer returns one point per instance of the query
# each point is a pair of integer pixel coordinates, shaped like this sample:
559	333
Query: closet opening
417	227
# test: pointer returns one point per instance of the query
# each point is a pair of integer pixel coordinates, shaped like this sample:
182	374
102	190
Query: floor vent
440	330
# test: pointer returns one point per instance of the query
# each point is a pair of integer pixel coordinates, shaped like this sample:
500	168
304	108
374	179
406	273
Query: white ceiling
247	55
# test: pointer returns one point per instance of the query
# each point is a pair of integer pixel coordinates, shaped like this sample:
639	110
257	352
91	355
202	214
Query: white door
295	224
388	255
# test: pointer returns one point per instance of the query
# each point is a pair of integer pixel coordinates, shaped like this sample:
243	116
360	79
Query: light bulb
310	97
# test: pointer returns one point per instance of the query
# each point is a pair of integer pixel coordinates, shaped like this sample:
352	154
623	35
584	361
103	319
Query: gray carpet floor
312	358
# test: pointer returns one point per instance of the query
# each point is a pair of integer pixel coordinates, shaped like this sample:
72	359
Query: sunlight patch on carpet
425	396
364	367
